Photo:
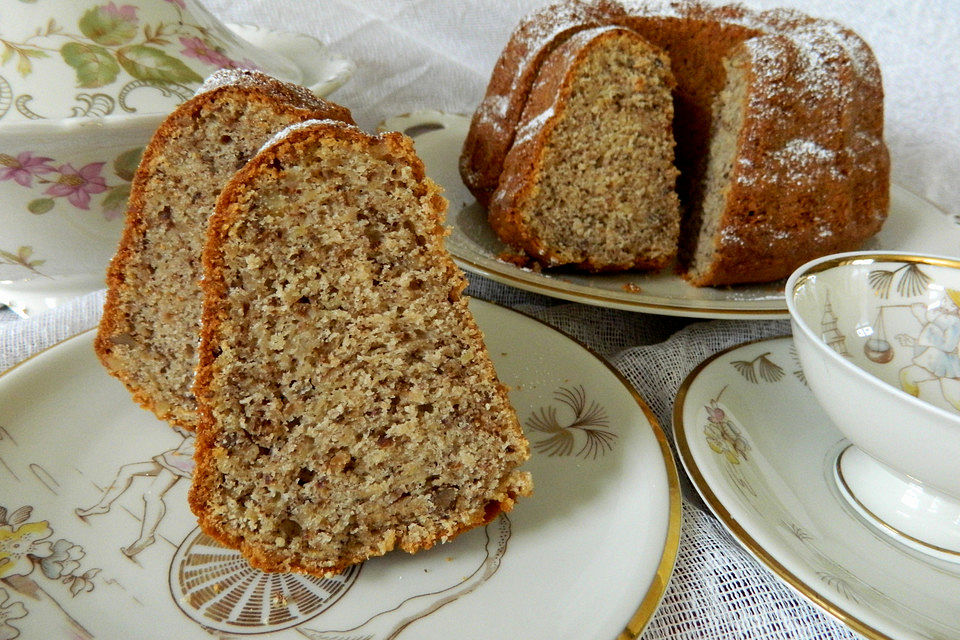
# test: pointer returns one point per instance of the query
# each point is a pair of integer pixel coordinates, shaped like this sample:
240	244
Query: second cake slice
589	180
347	402
151	320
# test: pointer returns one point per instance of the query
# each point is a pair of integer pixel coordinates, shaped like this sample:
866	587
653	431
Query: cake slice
151	320
590	180
347	403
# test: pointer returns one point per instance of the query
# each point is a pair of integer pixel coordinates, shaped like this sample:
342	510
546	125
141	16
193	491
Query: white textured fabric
437	54
20	339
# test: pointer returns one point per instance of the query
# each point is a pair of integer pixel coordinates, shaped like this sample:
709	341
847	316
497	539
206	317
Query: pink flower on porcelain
77	186
715	414
197	48
22	168
126	12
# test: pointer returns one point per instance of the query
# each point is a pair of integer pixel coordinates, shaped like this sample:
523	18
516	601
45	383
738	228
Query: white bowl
83	87
876	335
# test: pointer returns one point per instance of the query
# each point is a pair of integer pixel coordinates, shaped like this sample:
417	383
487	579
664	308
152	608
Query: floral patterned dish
96	539
92	58
763	456
913	224
80	95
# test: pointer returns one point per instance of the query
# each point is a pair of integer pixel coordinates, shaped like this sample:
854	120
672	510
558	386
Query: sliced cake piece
590	180
151	321
347	403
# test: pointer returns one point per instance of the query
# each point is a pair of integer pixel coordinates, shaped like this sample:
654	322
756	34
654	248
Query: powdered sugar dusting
803	151
298	126
533	126
549	22
797	60
498	105
729	236
823	46
224	77
296	95
802	160
659	8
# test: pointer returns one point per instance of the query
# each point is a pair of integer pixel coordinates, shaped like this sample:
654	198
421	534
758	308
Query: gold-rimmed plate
96	539
761	453
913	224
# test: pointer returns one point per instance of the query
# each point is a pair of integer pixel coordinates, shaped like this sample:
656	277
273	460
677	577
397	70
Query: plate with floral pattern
97	540
913	224
762	454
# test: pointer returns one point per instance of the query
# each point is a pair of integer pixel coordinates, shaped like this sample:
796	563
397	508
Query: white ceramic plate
761	452
588	556
913	224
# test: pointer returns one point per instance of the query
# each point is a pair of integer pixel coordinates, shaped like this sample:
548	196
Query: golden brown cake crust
847	139
223	86
205	495
793	197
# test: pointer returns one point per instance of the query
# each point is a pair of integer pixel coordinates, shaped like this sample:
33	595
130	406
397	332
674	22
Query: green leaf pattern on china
95	66
40	205
108	28
125	165
112	40
153	65
116	198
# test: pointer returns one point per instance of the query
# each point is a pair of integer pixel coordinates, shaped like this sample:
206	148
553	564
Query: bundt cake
347	403
151	320
778	120
589	179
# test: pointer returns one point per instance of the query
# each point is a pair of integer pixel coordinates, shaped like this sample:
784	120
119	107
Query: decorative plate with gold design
913	225
97	541
763	455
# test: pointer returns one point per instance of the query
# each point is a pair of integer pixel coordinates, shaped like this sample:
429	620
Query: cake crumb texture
347	402
150	327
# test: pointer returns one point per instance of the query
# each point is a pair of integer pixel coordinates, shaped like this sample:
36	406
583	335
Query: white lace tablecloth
438	54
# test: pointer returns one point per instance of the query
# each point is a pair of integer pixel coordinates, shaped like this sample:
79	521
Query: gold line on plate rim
733	526
877	520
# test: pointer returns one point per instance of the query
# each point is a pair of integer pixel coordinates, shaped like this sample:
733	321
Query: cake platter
763	454
96	539
913	224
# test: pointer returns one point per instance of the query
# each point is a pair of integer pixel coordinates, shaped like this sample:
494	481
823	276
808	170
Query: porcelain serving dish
877	336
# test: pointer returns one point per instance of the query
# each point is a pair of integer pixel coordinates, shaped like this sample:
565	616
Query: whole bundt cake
151	320
347	402
778	121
